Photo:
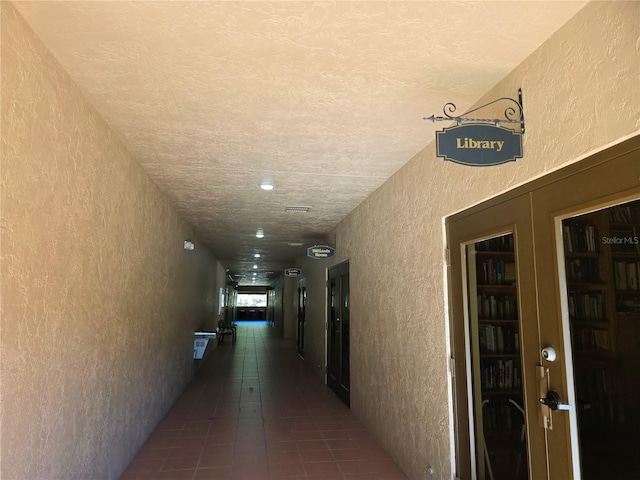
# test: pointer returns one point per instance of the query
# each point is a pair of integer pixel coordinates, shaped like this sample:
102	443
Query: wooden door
587	224
576	236
495	343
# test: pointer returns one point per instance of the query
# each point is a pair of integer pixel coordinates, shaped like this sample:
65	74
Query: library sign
481	142
478	144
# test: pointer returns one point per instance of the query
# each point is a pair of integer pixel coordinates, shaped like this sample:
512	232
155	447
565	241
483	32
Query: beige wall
581	92
99	298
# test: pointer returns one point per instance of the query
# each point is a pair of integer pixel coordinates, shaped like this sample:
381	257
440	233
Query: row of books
497	307
583	270
498	339
497	244
626	274
628	303
596	387
627	213
500	375
496	272
588	338
501	416
580	238
586	306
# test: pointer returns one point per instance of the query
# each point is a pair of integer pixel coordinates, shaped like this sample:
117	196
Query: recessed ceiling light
255	266
266	185
256	255
260	233
302	209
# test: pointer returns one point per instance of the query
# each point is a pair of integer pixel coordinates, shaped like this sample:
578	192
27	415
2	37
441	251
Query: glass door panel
496	364
602	273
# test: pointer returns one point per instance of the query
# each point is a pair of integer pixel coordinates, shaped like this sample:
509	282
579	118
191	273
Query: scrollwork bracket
514	113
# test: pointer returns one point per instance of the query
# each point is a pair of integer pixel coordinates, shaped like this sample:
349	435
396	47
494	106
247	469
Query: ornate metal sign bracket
512	114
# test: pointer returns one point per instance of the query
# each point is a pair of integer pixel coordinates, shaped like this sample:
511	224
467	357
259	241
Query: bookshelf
590	299
602	260
592	316
624	242
496	363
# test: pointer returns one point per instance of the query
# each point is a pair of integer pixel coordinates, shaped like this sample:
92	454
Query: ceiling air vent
298	209
295	244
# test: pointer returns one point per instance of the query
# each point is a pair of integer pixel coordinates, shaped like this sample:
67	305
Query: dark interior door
338	373
302	300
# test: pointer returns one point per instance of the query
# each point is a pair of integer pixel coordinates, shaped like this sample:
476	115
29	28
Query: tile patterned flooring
255	411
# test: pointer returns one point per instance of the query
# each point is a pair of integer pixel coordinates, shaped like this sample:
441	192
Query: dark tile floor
255	411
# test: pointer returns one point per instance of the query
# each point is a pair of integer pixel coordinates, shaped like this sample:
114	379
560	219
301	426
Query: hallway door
338	371
302	301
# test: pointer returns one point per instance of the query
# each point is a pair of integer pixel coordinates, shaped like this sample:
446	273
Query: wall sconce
189	245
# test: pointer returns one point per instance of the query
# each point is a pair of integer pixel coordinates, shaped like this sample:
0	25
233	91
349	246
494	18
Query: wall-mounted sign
320	251
292	272
481	141
479	144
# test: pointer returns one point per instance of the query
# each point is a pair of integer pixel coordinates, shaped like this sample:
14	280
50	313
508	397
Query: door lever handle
552	400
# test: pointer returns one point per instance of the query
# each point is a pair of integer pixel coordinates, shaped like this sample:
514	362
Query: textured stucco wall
99	298
581	92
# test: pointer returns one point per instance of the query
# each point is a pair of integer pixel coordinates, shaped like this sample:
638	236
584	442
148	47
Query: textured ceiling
326	99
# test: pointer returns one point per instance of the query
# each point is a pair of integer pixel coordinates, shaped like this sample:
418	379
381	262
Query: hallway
255	411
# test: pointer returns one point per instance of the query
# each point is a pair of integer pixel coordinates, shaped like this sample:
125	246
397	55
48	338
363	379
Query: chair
226	328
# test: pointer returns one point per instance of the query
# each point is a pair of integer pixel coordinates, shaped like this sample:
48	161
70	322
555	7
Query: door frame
547	215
